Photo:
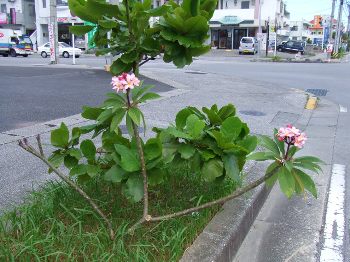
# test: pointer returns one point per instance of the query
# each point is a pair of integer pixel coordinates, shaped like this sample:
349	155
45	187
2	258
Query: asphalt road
31	95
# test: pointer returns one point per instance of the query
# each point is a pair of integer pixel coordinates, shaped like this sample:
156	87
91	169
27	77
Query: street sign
329	48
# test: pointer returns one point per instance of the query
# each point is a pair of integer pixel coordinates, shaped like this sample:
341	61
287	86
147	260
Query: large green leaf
149	96
186	151
88	149
279	143
307	181
196	25
270	144
108	24
181	117
227	111
135	114
231	128
80	29
134	188
129	160
153	148
286	181
212	169
115	174
272	168
56	159
212	116
155	176
70	161
249	143
91	113
60	136
231	167
194	126
119	67
117	119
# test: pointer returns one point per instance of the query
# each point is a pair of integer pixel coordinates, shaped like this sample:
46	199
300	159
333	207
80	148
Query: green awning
228	20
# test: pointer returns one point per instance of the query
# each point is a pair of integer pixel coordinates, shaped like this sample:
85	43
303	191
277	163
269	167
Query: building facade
64	20
300	30
18	15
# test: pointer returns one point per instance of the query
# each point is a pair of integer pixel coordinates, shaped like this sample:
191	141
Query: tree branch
145	61
143	164
26	146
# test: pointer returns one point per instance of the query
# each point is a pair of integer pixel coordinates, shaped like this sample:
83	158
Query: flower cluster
291	135
124	82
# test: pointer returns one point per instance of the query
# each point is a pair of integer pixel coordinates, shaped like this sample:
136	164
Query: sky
306	9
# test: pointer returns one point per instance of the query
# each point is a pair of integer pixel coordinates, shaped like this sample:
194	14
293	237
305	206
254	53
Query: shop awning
228	20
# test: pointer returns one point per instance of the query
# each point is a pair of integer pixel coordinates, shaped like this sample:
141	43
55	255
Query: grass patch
57	225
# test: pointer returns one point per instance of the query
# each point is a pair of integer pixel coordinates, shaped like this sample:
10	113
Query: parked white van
248	45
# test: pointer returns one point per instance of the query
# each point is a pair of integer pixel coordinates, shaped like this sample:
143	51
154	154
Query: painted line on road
334	231
343	109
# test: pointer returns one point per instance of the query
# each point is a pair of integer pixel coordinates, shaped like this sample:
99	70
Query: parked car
64	50
292	47
248	45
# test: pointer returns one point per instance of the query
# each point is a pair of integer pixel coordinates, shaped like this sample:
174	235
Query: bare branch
26	146
145	61
40	146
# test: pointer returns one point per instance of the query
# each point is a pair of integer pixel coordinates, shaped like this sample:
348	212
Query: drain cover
196	72
317	92
252	113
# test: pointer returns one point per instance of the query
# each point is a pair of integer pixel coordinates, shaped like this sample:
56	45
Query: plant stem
24	144
287	151
222	200
143	163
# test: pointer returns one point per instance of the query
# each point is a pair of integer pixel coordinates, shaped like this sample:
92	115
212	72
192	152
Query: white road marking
332	250
343	109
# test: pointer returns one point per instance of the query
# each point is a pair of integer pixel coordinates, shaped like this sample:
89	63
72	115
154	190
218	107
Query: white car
64	50
248	45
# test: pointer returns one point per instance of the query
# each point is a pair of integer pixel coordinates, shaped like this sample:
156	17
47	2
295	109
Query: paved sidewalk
292	230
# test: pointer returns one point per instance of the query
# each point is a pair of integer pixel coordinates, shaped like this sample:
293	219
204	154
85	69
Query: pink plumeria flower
300	140
124	82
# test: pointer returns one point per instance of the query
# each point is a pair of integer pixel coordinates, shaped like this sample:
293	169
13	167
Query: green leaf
194	126
78	170
135	114
186	151
92	170
308	159
227	111
231	167
181	117
104	116
129	125
176	133
129	160
108	24
60	136
149	96
115	174
212	169
155	176
80	29
206	154
280	144
70	161
249	143
56	159
261	156
212	116
119	67
129	57
134	188
88	149
308	166
270	144
286	181
153	148
231	128
117	119
307	182
272	168
91	113
74	152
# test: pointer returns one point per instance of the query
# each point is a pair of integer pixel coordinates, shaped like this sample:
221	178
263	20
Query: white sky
306	9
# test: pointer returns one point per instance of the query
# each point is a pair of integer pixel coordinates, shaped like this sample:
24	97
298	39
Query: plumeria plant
286	168
214	141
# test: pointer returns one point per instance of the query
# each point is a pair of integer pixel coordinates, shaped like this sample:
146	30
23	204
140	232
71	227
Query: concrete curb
222	237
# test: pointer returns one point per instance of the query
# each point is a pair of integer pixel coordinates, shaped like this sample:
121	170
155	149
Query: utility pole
267	24
348	28
53	33
259	28
338	34
331	28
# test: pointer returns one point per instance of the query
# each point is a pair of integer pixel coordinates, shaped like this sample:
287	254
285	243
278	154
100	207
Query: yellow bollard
107	68
311	103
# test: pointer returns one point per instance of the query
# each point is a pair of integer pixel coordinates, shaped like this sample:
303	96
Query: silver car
248	45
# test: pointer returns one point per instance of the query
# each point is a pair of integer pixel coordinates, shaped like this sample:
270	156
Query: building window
245	5
3	8
294	28
31	10
44	3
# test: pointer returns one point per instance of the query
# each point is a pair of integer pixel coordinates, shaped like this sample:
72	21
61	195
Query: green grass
56	224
